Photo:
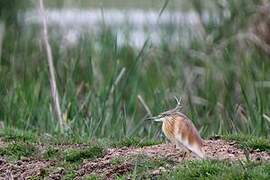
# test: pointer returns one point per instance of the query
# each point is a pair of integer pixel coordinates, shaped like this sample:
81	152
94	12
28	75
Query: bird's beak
158	118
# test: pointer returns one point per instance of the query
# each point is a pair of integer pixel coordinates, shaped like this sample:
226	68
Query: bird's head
165	115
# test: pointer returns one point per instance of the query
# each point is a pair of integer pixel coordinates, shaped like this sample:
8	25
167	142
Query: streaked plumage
180	130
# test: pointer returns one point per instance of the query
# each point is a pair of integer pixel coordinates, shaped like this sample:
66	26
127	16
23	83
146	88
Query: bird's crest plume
176	109
169	112
178	105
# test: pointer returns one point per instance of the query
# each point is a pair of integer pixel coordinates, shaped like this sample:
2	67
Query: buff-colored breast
168	128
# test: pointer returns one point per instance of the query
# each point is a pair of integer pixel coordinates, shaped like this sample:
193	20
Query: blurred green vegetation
117	4
223	80
11	9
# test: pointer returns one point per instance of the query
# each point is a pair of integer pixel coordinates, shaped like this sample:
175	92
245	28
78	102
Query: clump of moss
10	134
199	169
42	175
118	160
18	150
145	162
51	153
60	139
250	142
135	142
92	177
70	175
143	166
75	155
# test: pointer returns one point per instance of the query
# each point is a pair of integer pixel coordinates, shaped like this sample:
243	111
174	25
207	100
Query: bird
180	130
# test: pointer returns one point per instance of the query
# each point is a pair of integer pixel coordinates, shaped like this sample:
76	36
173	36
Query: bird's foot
184	155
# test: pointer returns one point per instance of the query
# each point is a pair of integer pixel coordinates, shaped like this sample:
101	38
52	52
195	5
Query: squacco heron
180	130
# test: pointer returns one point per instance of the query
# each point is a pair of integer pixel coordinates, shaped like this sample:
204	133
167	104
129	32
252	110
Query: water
131	25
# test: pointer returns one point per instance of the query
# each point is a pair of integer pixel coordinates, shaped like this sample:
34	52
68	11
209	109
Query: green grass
70	175
197	169
117	160
11	134
63	139
18	150
43	174
250	142
219	170
69	168
52	153
76	155
142	165
91	177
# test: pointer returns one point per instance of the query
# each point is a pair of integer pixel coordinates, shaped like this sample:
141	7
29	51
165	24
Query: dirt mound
214	149
23	168
123	161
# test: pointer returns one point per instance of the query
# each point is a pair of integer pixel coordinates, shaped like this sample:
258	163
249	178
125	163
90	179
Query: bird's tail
194	147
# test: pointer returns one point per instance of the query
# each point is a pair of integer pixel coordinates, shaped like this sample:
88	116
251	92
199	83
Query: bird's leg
170	141
185	153
188	154
174	144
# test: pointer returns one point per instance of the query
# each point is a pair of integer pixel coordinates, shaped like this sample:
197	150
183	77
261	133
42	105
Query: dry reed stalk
2	33
144	105
54	90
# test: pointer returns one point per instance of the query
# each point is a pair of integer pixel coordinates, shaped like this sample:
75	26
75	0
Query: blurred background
119	61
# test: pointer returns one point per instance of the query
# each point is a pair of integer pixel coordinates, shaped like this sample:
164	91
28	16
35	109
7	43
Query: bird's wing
195	148
189	136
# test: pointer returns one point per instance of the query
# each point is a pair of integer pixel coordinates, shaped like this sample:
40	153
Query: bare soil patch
23	168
